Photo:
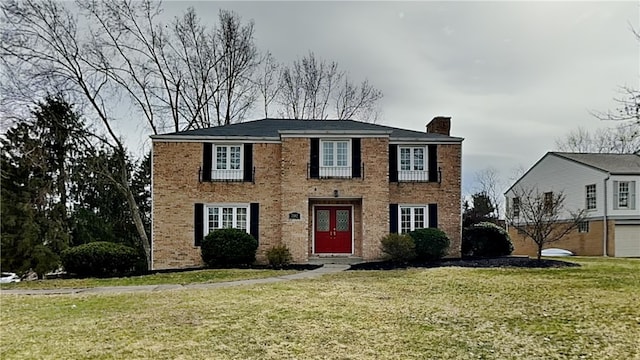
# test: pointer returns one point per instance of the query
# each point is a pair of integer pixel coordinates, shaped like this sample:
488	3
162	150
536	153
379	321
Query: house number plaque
294	216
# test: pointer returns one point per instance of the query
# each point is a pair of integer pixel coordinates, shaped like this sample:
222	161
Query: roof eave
407	140
201	138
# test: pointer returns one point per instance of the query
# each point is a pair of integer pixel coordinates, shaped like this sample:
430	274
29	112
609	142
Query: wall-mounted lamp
335	193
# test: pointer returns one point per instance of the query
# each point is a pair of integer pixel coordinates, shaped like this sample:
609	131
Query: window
515	207
591	197
226	216
623	194
583	227
411	163
548	202
412	218
336	158
227	162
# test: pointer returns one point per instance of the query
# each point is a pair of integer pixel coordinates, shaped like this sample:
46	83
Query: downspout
604	218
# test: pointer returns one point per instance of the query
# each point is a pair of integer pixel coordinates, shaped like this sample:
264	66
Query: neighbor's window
623	194
412	163
548	202
583	227
226	216
412	218
515	206
228	162
591	197
336	158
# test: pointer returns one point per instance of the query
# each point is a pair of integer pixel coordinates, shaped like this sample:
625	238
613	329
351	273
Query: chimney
439	125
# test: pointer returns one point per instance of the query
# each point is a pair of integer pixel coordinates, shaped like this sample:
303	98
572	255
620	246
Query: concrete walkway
326	269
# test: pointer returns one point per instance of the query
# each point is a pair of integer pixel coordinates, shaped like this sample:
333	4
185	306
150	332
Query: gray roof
273	128
611	163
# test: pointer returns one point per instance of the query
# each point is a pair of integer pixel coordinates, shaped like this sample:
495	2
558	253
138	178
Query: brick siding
282	187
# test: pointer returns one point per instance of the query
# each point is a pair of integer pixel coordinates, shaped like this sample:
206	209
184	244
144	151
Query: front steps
342	260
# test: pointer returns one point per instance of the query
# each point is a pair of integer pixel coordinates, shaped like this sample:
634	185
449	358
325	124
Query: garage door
627	241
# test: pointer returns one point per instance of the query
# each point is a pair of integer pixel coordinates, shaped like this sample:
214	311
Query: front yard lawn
182	278
587	312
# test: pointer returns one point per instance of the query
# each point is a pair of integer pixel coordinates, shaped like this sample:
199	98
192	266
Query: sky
514	76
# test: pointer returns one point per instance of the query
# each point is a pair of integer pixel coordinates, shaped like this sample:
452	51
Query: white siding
556	174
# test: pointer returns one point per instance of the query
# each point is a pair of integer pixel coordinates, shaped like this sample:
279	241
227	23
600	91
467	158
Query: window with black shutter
198	225
314	156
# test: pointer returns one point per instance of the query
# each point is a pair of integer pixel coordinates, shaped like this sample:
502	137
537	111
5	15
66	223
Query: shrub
431	244
279	256
486	239
398	247
100	258
228	247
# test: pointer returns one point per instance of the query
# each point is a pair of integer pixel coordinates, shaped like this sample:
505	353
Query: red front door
332	229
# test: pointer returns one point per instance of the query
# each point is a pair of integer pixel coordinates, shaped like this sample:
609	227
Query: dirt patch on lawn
509	261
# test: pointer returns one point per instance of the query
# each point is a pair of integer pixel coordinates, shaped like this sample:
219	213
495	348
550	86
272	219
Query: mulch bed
509	261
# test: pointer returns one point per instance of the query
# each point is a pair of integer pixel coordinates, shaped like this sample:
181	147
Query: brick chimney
439	125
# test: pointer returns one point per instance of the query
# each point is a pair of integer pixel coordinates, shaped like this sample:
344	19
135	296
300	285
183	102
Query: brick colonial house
604	185
320	187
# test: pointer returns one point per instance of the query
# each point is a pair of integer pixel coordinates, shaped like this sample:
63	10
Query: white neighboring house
604	185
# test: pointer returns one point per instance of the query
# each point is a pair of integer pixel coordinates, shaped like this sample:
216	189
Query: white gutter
604	218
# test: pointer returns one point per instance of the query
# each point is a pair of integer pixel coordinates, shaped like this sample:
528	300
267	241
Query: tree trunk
135	214
137	219
539	251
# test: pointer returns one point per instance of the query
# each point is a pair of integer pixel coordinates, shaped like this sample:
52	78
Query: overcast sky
513	76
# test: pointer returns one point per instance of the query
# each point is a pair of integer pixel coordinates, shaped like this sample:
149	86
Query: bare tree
628	100
628	106
541	217
354	101
489	183
311	87
234	46
268	81
624	138
42	52
117	49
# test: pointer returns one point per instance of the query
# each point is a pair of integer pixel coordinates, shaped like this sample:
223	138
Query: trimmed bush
228	247
100	259
431	244
398	247
486	239
279	256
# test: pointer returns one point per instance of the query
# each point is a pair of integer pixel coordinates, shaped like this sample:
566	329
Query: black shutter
393	218
314	170
198	224
248	163
433	163
433	215
254	221
393	163
207	152
356	158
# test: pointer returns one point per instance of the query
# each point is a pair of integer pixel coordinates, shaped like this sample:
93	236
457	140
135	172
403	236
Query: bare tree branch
541	217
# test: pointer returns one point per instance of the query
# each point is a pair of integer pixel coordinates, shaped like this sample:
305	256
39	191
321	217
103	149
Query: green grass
187	277
590	312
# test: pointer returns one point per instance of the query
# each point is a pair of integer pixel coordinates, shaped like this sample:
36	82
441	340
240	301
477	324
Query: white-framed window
590	191
227	162
515	207
412	217
412	163
222	216
548	202
623	194
335	158
583	227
